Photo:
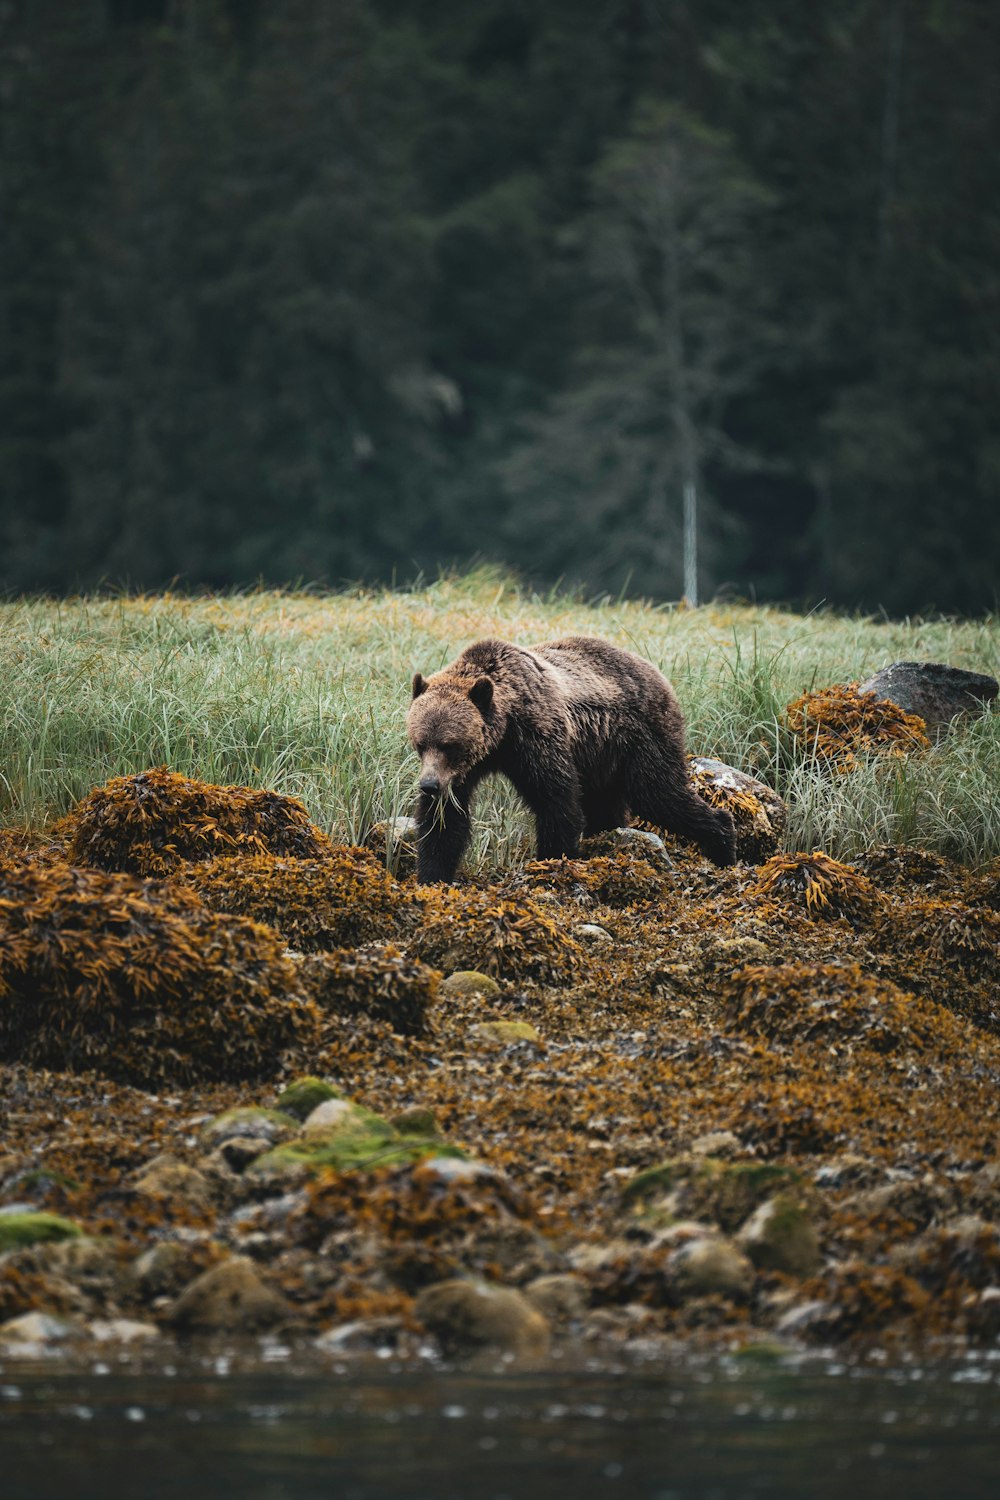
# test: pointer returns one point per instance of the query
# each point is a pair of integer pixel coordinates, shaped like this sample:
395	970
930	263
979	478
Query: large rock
934	691
781	1236
229	1298
466	1316
166	1177
711	1266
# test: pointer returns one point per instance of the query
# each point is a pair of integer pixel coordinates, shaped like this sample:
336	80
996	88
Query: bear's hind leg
658	791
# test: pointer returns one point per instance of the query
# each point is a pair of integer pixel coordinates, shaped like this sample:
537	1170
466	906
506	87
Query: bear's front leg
553	794
444	825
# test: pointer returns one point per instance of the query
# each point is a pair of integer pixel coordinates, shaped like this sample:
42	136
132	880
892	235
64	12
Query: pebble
503	1033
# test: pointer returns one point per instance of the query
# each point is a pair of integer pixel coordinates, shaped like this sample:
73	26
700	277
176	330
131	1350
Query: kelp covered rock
509	937
758	813
839	723
824	886
828	1003
629	877
900	869
157	821
382	983
949	951
339	901
138	981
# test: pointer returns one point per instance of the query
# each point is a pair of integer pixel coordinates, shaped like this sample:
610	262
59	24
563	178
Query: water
704	1432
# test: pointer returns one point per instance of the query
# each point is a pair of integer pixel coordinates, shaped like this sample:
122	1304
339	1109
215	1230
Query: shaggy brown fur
584	731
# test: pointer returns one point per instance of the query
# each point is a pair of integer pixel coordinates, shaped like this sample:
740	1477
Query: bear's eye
452	749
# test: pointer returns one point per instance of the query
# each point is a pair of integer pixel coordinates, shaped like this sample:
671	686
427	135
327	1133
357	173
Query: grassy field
307	694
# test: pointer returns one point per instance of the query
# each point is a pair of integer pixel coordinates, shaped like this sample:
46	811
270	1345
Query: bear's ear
481	693
419	685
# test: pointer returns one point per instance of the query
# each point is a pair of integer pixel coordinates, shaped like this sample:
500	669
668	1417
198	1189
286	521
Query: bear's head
450	724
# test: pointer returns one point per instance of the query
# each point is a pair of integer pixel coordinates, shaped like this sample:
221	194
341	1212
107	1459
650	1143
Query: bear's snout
430	784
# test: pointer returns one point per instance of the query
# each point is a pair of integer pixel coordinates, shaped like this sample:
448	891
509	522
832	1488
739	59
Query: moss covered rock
247	1122
300	1098
18	1230
780	1235
467	983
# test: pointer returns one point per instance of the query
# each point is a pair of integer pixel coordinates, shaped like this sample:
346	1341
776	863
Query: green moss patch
725	1192
19	1230
301	1097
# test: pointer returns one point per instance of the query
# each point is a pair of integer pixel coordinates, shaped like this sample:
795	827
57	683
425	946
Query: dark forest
324	292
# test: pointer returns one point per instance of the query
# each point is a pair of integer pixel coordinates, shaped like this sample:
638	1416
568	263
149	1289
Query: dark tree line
340	289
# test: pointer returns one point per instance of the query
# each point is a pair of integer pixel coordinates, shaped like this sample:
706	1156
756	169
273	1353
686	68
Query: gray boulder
932	690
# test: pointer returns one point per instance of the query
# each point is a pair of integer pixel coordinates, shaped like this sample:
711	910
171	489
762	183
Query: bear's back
592	670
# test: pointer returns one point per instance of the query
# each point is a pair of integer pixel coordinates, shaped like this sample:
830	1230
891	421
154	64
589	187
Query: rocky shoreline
254	1087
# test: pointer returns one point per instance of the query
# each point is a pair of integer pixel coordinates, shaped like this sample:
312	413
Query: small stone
229	1298
593	935
932	690
122	1331
849	1170
361	1336
329	1119
503	1033
301	1097
804	1318
711	1267
463	984
159	1270
415	1121
455	1169
780	1236
466	1316
166	1177
37	1328
721	1144
268	1125
562	1298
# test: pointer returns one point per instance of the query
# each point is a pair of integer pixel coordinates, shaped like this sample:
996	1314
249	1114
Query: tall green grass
308	695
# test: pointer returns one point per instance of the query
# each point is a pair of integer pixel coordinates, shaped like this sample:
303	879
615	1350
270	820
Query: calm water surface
717	1431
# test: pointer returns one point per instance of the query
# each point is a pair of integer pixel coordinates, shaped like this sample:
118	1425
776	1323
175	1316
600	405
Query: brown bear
584	731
